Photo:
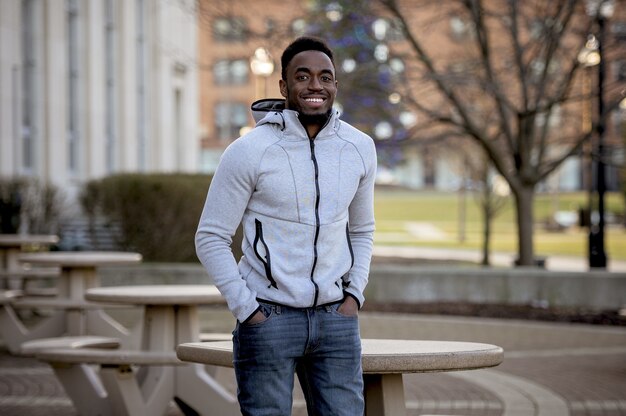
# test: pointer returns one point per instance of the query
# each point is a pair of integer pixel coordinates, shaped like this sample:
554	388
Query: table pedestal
9	263
165	327
384	395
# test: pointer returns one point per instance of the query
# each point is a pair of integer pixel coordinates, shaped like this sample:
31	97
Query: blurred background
500	128
500	125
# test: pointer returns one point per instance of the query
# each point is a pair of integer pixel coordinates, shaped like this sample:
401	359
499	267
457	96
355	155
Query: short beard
315	119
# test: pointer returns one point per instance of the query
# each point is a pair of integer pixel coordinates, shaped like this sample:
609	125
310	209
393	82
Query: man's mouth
314	100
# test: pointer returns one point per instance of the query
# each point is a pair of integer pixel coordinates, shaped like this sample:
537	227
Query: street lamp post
602	10
262	66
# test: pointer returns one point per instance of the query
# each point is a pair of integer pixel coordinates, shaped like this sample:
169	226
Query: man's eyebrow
308	70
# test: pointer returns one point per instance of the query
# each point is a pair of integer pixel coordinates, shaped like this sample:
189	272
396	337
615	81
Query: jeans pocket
335	311
266	310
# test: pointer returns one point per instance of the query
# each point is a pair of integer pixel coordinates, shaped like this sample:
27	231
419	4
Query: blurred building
229	34
231	31
93	87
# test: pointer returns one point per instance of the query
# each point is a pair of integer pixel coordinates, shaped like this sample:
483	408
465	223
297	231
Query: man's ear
283	88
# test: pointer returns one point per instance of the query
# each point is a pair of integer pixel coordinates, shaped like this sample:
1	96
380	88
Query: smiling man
301	183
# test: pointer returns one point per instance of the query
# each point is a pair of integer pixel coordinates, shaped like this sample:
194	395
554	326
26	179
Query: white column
54	151
165	91
94	138
10	85
158	83
128	86
190	140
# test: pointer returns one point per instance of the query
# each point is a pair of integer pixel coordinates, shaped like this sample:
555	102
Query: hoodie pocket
349	245
266	260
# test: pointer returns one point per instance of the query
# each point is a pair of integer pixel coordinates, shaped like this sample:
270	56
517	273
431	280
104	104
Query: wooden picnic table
384	362
71	314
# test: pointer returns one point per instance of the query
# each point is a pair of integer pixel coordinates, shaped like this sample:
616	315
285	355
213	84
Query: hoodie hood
262	108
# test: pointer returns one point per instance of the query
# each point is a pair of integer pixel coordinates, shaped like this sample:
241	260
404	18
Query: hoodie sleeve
229	192
361	228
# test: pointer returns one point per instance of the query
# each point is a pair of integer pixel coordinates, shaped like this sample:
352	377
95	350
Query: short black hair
302	44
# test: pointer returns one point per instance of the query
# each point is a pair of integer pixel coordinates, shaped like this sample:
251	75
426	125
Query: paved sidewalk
549	370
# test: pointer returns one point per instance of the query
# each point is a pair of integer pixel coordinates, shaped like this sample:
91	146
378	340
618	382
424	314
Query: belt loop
328	308
278	309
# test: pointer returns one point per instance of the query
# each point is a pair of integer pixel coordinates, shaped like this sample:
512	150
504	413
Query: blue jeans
319	344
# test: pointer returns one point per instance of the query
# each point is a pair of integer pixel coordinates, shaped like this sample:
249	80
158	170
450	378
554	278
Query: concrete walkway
549	370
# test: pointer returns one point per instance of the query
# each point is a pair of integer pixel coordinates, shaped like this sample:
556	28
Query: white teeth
314	100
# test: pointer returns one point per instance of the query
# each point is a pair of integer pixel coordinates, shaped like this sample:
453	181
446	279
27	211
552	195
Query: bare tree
513	70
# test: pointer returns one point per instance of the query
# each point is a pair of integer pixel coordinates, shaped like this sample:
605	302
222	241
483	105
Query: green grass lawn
433	219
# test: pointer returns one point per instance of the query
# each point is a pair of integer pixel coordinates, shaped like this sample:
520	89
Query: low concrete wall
596	289
395	283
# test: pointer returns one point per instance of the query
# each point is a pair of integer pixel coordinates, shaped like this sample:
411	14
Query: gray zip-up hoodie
307	211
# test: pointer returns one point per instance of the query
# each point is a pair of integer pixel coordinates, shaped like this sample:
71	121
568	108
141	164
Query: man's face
310	87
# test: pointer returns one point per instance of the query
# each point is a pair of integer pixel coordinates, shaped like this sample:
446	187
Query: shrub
157	214
29	205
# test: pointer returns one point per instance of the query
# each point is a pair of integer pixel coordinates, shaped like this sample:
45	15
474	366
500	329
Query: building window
29	86
462	28
229	119
229	29
554	119
270	26
544	27
620	70
110	37
231	72
299	27
73	86
618	29
387	30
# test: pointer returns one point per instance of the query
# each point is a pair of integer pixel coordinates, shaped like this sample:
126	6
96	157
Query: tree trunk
486	233
524	198
486	204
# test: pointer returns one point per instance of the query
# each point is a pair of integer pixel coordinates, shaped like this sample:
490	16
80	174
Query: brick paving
549	370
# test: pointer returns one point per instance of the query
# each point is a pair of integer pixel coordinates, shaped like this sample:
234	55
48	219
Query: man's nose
315	84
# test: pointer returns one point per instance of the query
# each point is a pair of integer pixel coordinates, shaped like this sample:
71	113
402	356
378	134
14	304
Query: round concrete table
384	362
171	318
71	315
79	268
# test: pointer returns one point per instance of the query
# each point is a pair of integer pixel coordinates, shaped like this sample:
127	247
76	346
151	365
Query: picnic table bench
384	361
107	382
170	318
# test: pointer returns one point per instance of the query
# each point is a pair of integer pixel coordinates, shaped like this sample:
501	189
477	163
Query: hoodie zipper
317	218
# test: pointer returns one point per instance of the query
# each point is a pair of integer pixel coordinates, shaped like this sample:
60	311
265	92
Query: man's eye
302	77
327	79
